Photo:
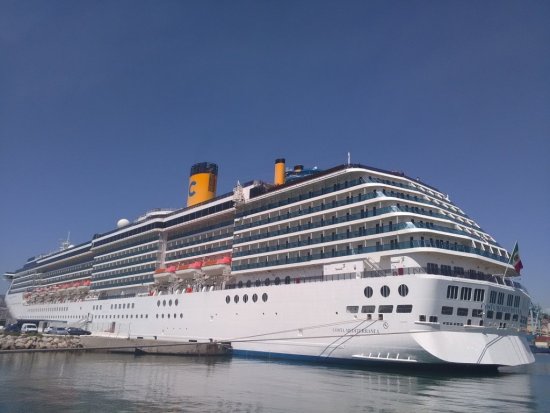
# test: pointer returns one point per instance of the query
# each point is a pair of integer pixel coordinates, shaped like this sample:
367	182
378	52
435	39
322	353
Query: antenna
349	158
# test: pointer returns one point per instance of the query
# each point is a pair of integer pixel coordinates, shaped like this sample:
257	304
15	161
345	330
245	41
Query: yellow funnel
202	183
279	172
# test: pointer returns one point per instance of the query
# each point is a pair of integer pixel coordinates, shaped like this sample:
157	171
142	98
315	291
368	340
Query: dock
140	346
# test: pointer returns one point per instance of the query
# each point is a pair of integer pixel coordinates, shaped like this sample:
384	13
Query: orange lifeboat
217	266
165	275
188	270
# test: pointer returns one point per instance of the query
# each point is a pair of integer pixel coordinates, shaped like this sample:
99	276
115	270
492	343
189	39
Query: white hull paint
300	320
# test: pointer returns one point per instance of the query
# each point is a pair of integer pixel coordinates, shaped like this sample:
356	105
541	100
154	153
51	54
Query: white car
29	328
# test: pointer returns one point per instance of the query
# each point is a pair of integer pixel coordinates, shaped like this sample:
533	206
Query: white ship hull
301	320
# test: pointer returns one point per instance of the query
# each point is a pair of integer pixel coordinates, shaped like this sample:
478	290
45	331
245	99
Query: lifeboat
216	266
165	275
84	285
187	270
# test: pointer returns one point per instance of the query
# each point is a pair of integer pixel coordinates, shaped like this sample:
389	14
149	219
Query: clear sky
105	105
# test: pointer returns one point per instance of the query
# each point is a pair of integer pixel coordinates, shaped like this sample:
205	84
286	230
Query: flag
515	259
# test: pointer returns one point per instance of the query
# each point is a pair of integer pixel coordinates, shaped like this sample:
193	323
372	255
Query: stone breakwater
38	342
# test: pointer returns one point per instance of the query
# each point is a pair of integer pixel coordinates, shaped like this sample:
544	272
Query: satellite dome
122	223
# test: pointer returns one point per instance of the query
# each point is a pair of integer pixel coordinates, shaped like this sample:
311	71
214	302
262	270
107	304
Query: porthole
123	306
236	299
240	284
249	283
168	315
403	290
255	297
258	283
227	299
158	303
162	315
133	305
368	292
175	315
277	280
164	303
287	279
157	316
267	281
170	303
385	291
181	315
176	302
245	298
264	297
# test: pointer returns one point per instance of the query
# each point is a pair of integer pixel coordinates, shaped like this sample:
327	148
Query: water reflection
52	382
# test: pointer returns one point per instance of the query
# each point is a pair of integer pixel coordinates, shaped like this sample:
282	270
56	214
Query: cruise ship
348	264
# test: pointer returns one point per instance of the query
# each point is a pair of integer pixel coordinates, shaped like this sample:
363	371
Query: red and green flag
515	259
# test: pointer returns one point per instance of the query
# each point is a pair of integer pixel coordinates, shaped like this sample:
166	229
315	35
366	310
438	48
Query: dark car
13	328
75	331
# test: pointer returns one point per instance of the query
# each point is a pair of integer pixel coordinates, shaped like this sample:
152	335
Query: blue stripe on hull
371	364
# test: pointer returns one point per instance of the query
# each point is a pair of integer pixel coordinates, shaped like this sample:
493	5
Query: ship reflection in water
48	382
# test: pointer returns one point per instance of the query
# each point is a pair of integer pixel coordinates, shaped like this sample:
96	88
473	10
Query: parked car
75	331
13	328
29	328
60	331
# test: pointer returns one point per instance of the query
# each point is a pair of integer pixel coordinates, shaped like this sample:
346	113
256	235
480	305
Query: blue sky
105	105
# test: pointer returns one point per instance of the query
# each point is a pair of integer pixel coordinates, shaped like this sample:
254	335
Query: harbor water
100	382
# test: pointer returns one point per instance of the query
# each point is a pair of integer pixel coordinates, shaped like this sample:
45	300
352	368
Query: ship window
490	314
267	282
158	303
168	315
277	280
368	309
368	292
493	297
421	317
499	315
264	297
516	301
515	317
240	284
445	310
452	292
181	315
352	309
403	290
510	300
479	294
385	291
287	279
433	319
466	293
176	302
249	283
463	312
227	299
477	313
164	303
500	300
162	315
170	303
404	308
380	316
255	297
507	316
245	298
385	308
236	298
258	283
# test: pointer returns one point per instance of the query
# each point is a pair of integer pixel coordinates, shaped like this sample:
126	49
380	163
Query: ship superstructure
352	262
